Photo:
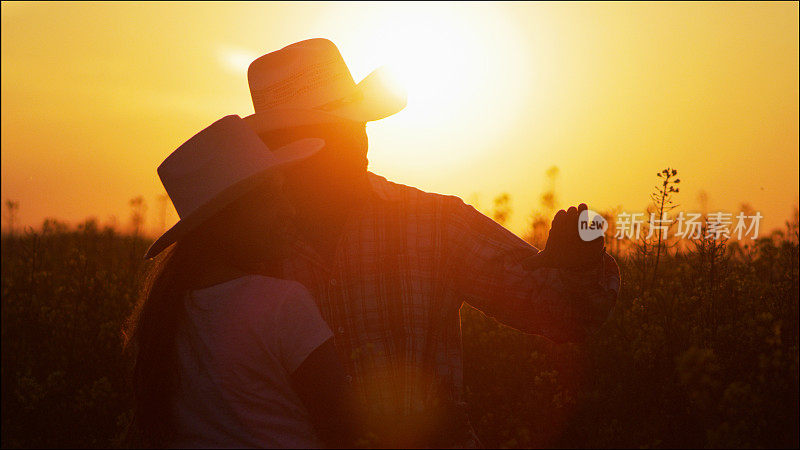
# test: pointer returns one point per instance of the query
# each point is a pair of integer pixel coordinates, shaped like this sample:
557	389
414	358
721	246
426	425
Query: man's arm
320	383
499	274
303	342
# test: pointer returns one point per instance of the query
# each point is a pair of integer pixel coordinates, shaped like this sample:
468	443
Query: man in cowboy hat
390	265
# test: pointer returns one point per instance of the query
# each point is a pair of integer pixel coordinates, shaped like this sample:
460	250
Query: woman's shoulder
249	283
272	284
252	291
277	289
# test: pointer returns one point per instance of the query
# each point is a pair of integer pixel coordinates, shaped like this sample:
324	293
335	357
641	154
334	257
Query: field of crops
705	354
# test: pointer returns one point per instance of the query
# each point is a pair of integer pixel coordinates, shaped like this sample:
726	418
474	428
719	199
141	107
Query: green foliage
705	357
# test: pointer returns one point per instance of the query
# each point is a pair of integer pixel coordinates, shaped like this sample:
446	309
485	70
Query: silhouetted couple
302	301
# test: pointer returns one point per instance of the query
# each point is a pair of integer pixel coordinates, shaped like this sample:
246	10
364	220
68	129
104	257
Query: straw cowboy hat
215	167
308	83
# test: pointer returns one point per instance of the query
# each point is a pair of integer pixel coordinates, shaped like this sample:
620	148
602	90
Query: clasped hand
565	249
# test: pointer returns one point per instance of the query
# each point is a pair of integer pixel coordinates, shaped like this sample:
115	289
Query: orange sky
94	96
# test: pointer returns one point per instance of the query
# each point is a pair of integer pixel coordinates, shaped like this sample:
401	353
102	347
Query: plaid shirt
404	264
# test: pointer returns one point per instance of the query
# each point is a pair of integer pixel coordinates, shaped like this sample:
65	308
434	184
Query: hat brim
379	96
285	156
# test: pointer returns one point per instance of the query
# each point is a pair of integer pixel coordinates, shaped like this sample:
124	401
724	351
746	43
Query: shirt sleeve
299	327
485	268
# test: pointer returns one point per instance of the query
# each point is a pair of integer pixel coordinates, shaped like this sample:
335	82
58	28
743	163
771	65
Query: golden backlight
457	80
96	95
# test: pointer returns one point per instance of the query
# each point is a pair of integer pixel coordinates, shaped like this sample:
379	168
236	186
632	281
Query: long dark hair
150	331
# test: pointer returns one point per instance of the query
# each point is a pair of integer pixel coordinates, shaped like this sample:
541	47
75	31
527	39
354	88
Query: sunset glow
400	224
95	96
453	76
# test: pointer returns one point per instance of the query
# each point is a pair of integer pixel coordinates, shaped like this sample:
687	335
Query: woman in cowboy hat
228	354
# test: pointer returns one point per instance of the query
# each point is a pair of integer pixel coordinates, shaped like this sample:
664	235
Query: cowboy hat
215	167
308	83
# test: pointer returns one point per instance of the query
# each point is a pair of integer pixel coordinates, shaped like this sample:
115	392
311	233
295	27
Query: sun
460	69
434	59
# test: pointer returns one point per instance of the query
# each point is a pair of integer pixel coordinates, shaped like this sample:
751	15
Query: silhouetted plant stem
662	197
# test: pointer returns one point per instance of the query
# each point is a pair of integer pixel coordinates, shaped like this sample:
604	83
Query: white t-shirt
241	342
